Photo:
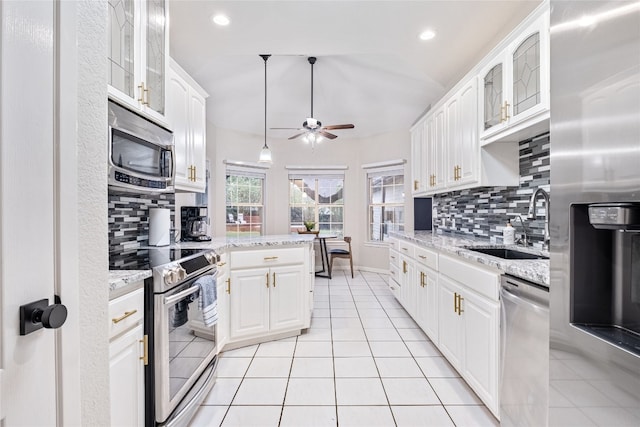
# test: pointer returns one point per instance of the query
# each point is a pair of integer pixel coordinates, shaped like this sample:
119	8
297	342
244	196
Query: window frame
316	176
390	169
249	172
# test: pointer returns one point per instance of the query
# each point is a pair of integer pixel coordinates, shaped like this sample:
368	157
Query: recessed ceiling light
427	35
222	20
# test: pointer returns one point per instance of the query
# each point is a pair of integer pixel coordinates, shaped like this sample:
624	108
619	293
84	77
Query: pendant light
265	153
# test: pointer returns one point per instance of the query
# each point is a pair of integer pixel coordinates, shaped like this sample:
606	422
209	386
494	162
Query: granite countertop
122	281
534	270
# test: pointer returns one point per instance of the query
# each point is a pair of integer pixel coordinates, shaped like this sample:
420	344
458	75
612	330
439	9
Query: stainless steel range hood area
595	186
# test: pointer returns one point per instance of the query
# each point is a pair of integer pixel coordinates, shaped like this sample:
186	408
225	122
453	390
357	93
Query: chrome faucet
532	212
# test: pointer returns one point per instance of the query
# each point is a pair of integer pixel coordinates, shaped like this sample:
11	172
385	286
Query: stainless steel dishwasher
524	342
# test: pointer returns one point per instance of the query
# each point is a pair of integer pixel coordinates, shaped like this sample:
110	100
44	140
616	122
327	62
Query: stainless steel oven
141	153
183	357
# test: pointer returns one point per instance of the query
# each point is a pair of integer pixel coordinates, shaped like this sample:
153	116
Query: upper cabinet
515	94
504	98
138	56
186	113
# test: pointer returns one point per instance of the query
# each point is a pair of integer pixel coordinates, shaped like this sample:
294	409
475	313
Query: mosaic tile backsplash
129	224
484	211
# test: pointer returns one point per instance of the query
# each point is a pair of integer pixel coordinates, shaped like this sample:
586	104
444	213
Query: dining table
324	254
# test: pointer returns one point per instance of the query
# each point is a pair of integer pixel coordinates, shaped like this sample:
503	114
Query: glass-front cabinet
515	83
138	59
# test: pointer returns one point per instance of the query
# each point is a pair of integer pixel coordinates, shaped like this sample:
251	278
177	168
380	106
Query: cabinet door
452	138
431	307
529	77
178	115
493	94
408	285
124	43
126	371
449	321
198	145
223	283
417	165
480	346
249	303
421	297
438	150
286	297
155	55
468	144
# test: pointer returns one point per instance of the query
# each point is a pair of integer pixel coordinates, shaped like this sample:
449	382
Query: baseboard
360	268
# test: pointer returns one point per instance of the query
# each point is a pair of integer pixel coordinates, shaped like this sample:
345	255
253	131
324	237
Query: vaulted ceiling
372	69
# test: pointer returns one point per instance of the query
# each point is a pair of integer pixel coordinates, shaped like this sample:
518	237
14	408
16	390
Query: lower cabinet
223	283
127	358
270	299
427	301
456	304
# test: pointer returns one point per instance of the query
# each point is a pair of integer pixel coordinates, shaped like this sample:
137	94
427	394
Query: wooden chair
341	253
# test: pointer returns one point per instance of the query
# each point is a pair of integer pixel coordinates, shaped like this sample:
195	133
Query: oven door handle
180	295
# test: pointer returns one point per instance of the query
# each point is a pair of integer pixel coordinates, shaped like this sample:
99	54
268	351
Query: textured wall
129	224
484	211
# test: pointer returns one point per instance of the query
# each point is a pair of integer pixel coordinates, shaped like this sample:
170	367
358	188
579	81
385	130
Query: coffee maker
194	222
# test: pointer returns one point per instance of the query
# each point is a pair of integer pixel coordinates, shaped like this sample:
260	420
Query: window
319	199
245	202
386	202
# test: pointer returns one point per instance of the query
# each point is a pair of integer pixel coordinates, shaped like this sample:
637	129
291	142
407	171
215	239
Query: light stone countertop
124	281
533	270
121	280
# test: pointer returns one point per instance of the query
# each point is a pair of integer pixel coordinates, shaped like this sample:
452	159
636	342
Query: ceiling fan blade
328	135
333	127
295	136
286	128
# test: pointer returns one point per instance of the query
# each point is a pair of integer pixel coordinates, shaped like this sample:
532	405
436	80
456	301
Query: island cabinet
128	353
138	56
268	292
469	324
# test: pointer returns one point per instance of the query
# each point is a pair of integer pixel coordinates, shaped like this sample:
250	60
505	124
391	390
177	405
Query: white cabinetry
469	324
138	55
268	293
515	101
127	358
418	158
223	283
186	113
461	135
456	304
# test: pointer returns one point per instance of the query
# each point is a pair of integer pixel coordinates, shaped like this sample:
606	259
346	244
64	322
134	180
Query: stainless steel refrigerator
595	214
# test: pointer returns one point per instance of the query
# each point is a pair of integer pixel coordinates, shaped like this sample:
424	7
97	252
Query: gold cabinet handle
422	279
392	257
124	316
274	279
506	111
267	275
270	258
405	249
220	264
455	302
422	256
404	266
460	310
145	350
229	285
415	184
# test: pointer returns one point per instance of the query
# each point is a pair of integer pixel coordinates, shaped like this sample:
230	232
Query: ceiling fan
312	128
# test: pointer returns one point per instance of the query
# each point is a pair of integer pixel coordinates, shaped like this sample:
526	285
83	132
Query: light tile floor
363	362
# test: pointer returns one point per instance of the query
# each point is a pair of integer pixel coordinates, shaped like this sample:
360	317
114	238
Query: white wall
225	144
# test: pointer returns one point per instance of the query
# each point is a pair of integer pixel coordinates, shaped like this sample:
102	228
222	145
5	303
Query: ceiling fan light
265	155
221	20
312	123
427	35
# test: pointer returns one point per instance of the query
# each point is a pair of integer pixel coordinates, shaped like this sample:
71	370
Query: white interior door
27	209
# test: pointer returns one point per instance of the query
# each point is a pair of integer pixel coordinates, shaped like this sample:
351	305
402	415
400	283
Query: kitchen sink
507	253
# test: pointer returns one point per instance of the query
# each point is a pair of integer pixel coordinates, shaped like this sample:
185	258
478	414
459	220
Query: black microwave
141	153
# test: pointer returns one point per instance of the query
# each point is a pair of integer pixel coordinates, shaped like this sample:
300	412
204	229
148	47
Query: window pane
244	198
316	199
386	211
